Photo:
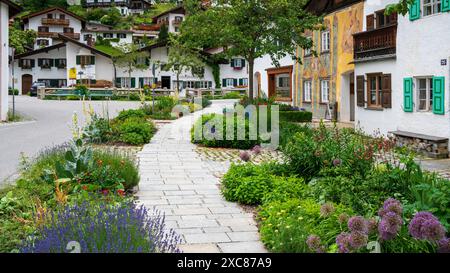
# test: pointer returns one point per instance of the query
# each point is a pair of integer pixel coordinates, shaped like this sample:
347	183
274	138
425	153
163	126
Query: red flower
121	192
84	187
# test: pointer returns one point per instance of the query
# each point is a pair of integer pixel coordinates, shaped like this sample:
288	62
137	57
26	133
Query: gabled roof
153	46
321	7
13	7
176	10
53	9
63	44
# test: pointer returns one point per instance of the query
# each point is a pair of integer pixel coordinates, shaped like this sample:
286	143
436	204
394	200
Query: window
42	42
87	37
84	60
308	51
324	91
68	30
141	61
325	41
62	16
45	63
108	35
228	82
384	20
177	29
61	63
307	91
425	94
375	93
49	16
125	82
26	63
431	7
43	29
238	63
283	86
121	35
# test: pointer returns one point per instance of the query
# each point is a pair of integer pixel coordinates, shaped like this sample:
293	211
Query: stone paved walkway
178	181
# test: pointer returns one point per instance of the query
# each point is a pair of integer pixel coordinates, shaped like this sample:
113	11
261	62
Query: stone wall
426	147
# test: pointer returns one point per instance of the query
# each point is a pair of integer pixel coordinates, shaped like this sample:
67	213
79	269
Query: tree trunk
251	64
178	85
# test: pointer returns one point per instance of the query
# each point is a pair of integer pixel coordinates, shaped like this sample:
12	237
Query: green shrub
10	91
135	131
132	113
98	130
134	97
125	168
232	95
295	116
289	129
285	226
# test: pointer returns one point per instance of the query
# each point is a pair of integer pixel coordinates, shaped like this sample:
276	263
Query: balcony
75	36
55	22
376	43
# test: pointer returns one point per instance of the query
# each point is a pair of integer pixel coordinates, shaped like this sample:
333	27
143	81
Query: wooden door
27	81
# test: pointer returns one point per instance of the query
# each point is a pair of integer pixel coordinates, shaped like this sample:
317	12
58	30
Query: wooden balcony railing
376	42
57	22
75	36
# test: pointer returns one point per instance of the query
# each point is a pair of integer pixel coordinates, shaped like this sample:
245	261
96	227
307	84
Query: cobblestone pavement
185	186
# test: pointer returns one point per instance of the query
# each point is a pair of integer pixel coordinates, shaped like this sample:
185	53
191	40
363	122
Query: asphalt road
49	124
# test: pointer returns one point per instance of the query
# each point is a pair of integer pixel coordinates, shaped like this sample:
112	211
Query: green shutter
118	82
439	95
141	82
243	62
78	60
408	94
232	63
52	62
241	82
235	82
92	60
414	10
56	62
224	82
445	5
133	82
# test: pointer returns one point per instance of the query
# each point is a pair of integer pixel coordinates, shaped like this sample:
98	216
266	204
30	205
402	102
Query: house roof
13	7
153	46
176	10
63	44
53	9
321	7
107	31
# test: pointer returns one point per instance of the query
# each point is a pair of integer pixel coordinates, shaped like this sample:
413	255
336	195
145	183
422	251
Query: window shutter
118	82
210	84
243	62
445	5
235	82
241	82
414	10
370	20
52	62
408	94
386	101
93	60
78	60
133	82
141	82
232	63
56	62
147	61
20	63
224	82
33	63
439	95
360	91
39	62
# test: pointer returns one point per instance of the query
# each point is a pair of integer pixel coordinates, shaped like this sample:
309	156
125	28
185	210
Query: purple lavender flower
337	162
389	226
444	245
358	224
125	228
343	242
358	240
256	150
327	209
314	243
425	226
245	156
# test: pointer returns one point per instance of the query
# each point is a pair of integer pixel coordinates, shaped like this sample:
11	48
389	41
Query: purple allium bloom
343	218
358	240
389	226
245	156
425	226
125	228
358	224
373	225
444	245
337	162
314	243
256	150
343	242
391	205
327	209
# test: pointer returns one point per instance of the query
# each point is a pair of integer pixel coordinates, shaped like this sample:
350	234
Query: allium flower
337	162
358	240
444	245
245	156
343	242
425	226
358	224
343	218
391	205
373	225
389	226
256	150
314	243
327	209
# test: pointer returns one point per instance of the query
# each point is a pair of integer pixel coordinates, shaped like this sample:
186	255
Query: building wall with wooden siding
331	65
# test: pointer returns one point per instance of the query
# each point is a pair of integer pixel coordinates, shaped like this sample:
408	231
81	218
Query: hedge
296	116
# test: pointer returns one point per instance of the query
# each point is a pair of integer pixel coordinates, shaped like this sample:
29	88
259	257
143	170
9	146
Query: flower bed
327	196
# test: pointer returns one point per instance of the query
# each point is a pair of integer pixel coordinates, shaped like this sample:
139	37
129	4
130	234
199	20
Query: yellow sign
73	73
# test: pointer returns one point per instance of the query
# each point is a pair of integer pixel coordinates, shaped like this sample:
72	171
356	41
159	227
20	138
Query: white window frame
230	82
307	86
237	63
125	82
429	93
325	91
435	5
325	41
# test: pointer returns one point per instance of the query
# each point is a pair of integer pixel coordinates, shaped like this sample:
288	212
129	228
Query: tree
130	59
112	17
37	5
182	59
20	39
402	7
163	35
249	28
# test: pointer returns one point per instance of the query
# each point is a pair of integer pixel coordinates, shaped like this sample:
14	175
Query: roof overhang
13	7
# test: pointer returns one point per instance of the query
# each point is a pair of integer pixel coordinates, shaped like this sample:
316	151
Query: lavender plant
122	228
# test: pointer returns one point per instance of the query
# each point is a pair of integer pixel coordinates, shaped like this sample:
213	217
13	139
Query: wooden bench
430	146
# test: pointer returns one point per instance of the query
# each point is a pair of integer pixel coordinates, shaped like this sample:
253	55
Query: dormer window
49	16
62	16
